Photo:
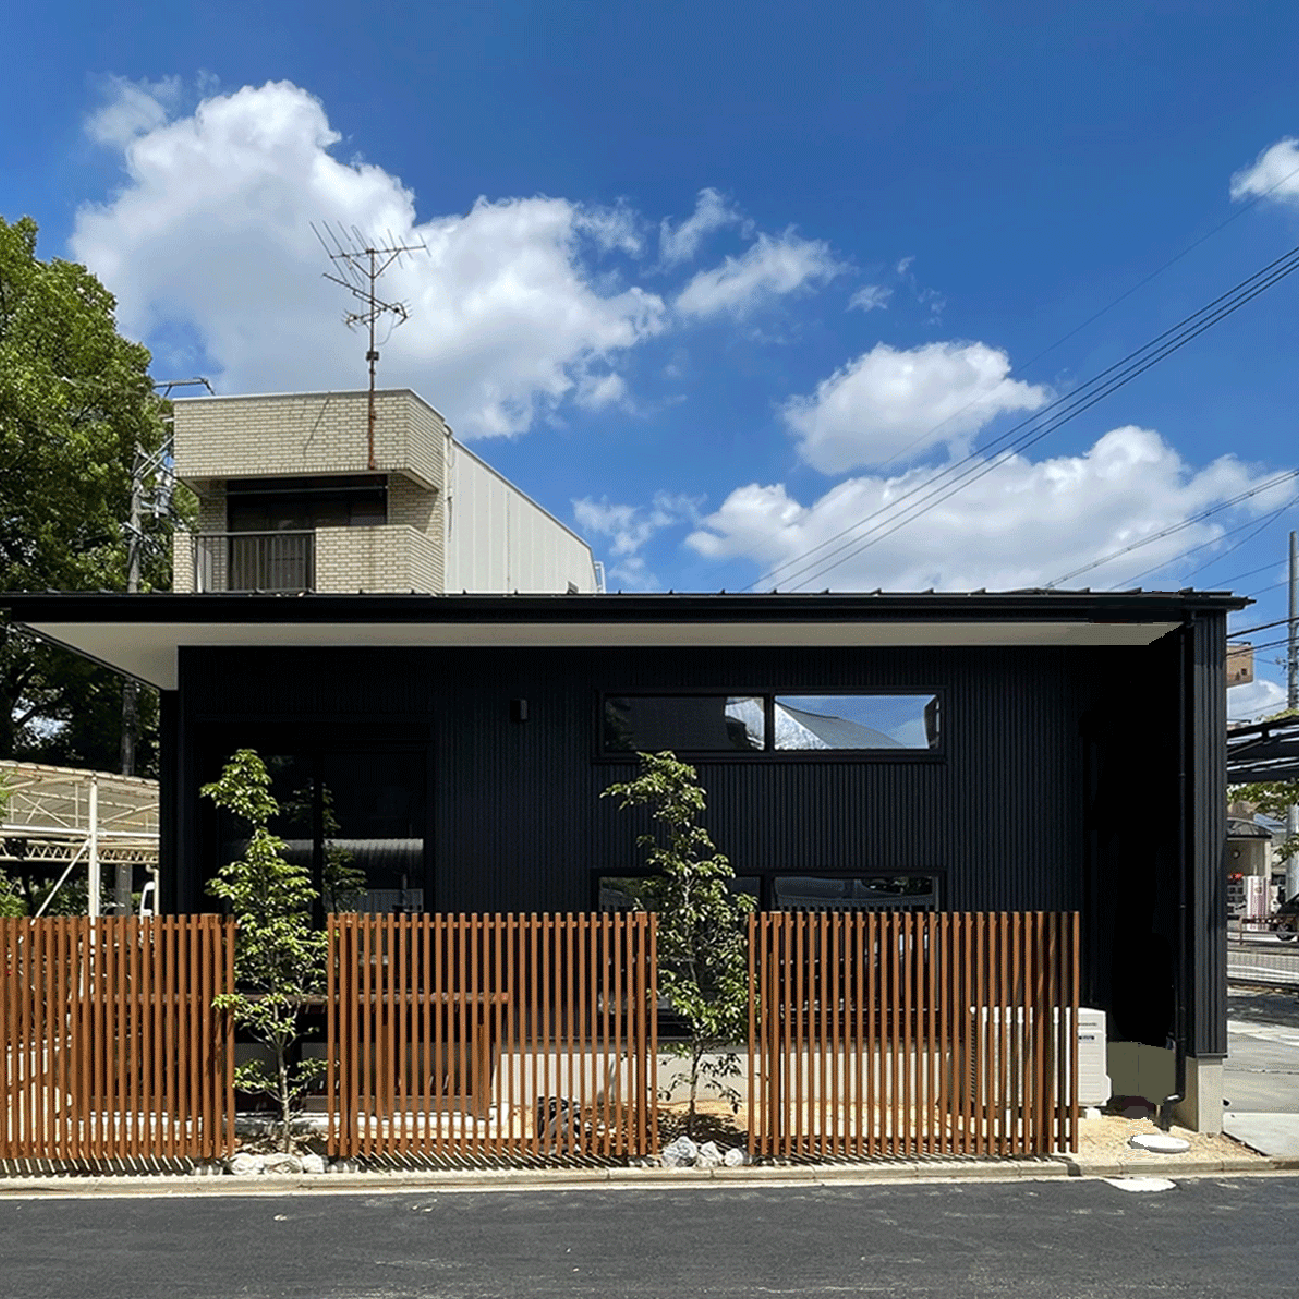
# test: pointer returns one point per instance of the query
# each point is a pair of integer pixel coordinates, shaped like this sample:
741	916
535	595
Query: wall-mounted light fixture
518	710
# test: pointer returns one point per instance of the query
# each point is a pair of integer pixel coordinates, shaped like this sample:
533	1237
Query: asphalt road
1042	1240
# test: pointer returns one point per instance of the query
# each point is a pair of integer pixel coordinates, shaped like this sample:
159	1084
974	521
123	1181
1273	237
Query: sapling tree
279	958
702	950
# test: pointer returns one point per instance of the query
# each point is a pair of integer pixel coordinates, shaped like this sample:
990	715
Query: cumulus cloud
770	267
630	527
889	403
1255	700
211	234
1275	173
1024	523
133	108
679	243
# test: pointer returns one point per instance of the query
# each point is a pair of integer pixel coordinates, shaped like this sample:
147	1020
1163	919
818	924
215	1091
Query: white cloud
630	527
133	108
1275	172
211	233
680	243
596	391
888	403
1024	523
871	297
769	267
1255	700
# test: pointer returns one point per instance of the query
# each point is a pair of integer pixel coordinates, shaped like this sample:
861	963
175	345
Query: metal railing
254	561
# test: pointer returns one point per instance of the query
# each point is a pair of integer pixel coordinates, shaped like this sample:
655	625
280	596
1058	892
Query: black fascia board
315	608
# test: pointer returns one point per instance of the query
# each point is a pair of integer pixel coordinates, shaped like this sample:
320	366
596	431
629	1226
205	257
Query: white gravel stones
708	1156
680	1153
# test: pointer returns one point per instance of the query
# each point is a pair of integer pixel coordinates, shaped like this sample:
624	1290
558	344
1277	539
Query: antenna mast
360	262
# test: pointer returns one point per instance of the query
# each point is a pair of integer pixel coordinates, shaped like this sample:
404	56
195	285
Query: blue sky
714	283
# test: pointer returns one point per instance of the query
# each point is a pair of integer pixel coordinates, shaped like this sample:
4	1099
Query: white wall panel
498	540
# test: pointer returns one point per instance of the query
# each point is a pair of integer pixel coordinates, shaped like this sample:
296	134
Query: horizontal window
636	892
856	721
772	723
775	891
866	892
692	723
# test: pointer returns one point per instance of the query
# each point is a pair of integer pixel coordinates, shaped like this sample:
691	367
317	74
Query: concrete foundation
1151	1072
1202	1109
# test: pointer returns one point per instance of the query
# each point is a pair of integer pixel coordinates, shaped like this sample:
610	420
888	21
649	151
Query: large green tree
76	404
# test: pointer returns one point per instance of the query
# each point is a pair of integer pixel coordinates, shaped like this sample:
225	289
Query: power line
1019	370
1029	431
1235	577
1263	626
1257	526
1176	527
972	467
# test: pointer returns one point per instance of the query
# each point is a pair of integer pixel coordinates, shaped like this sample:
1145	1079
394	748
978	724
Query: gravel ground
1106	1140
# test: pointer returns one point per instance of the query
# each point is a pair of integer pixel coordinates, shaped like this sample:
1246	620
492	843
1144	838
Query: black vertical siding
168	795
1056	787
1207	764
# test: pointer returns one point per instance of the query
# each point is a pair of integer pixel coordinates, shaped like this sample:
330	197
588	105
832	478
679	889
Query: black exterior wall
1069	778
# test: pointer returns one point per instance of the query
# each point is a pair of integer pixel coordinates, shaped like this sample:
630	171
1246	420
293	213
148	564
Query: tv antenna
360	262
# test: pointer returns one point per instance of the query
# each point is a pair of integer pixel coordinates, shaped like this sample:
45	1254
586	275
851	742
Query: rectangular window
867	892
899	722
629	892
776	891
353	818
895	721
691	723
302	504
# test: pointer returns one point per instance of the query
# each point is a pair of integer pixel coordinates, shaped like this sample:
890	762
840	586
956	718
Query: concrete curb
562	1179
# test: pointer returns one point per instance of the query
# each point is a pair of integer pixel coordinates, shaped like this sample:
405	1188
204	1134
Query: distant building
289	504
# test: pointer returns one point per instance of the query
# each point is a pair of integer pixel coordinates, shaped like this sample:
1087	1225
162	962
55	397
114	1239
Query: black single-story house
965	752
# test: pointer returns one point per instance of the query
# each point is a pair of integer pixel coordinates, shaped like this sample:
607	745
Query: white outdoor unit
1093	1081
1009	1051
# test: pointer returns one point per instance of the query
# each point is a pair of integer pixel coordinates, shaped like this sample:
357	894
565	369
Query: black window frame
766	877
769	753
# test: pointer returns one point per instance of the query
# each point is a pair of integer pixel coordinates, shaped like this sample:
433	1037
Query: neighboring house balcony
385	558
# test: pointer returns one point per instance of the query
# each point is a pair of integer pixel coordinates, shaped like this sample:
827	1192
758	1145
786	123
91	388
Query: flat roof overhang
142	635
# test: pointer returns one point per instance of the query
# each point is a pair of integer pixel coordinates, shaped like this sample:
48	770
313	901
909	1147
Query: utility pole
360	262
1292	702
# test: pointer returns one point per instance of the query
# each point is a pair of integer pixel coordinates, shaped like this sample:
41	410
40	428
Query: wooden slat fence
112	1050
492	1036
910	1033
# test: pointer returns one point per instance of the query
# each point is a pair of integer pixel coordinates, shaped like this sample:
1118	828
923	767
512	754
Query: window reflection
878	892
894	721
355	820
860	723
692	723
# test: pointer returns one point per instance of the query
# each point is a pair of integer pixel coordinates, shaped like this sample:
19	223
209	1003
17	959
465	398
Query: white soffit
148	650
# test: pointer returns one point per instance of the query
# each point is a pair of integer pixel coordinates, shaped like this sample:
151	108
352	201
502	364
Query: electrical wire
1032	430
1019	370
1178	340
1263	626
1177	527
1213	541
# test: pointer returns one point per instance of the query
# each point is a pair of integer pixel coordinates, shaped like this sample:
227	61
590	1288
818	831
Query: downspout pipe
1186	647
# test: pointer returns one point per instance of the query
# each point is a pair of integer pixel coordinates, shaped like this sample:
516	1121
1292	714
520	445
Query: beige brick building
288	503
